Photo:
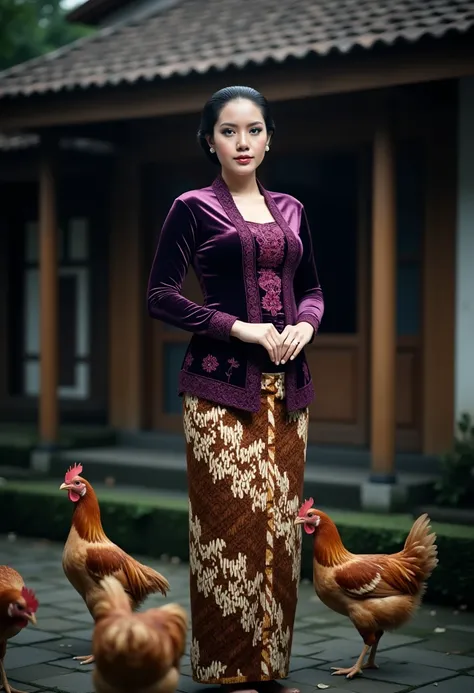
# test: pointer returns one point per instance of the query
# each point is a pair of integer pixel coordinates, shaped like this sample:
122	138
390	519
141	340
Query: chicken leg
371	661
5	685
85	659
350	672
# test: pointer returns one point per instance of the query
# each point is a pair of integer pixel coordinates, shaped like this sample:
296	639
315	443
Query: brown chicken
18	607
89	555
138	652
378	592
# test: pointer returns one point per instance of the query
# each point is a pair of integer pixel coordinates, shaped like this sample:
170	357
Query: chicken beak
64	487
32	619
299	521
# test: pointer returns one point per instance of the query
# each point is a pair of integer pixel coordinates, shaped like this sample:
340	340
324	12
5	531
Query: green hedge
151	525
18	440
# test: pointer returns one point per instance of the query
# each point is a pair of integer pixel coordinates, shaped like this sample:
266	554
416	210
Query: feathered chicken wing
376	576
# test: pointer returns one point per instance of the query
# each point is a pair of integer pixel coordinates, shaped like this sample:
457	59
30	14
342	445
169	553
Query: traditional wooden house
374	104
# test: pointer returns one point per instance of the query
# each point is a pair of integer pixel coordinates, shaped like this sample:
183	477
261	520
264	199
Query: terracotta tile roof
197	35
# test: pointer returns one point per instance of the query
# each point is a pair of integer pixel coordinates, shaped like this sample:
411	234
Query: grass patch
152	524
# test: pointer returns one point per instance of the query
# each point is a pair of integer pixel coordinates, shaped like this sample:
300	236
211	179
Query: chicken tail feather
420	547
114	599
143	580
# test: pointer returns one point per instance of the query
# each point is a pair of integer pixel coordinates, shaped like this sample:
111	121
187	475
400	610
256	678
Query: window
74	311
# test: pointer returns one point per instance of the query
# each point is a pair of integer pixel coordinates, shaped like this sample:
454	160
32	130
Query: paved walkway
434	653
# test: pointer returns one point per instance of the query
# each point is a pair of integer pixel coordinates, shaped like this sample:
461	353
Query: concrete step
349	456
332	485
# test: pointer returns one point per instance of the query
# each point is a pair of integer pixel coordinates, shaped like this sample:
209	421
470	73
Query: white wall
464	351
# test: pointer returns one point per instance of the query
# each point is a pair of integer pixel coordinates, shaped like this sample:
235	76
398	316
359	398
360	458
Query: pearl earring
267	148
212	150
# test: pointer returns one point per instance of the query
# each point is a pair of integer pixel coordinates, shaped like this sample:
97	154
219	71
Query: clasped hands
280	347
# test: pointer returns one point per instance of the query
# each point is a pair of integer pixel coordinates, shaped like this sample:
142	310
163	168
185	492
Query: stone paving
435	652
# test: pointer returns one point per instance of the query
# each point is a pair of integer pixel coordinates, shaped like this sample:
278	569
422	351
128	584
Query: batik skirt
245	475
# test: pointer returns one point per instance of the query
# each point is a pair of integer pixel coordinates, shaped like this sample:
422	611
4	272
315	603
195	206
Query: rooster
378	592
89	555
18	606
138	652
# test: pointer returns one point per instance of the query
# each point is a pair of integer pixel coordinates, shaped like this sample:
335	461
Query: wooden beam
314	76
49	332
383	356
127	300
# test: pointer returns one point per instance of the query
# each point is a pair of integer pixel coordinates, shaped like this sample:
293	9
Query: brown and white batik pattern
245	474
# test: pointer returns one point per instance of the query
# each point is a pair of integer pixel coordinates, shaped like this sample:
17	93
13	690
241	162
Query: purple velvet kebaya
205	229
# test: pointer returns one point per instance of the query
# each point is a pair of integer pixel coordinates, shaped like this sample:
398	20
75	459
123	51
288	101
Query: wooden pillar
48	284
127	299
383	356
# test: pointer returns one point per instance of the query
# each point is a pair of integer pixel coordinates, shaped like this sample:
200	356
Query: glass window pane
31	375
67	326
408	299
173	359
31	312
78	239
81	387
31	242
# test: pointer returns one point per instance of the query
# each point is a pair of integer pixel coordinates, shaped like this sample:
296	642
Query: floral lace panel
270	241
270	283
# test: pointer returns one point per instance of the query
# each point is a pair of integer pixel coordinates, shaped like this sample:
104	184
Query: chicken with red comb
18	606
89	555
378	592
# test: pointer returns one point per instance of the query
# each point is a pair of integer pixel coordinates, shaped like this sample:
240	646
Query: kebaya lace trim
270	241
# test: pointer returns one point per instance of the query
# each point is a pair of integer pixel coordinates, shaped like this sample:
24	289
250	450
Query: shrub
455	488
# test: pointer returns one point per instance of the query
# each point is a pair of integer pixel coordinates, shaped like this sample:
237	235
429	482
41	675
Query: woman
246	388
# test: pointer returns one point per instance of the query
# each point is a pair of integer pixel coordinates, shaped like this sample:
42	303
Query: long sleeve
174	254
308	292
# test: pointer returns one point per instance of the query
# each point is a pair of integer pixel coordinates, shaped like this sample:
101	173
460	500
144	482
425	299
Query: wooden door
332	185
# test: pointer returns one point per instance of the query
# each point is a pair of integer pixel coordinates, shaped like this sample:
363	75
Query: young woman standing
246	387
